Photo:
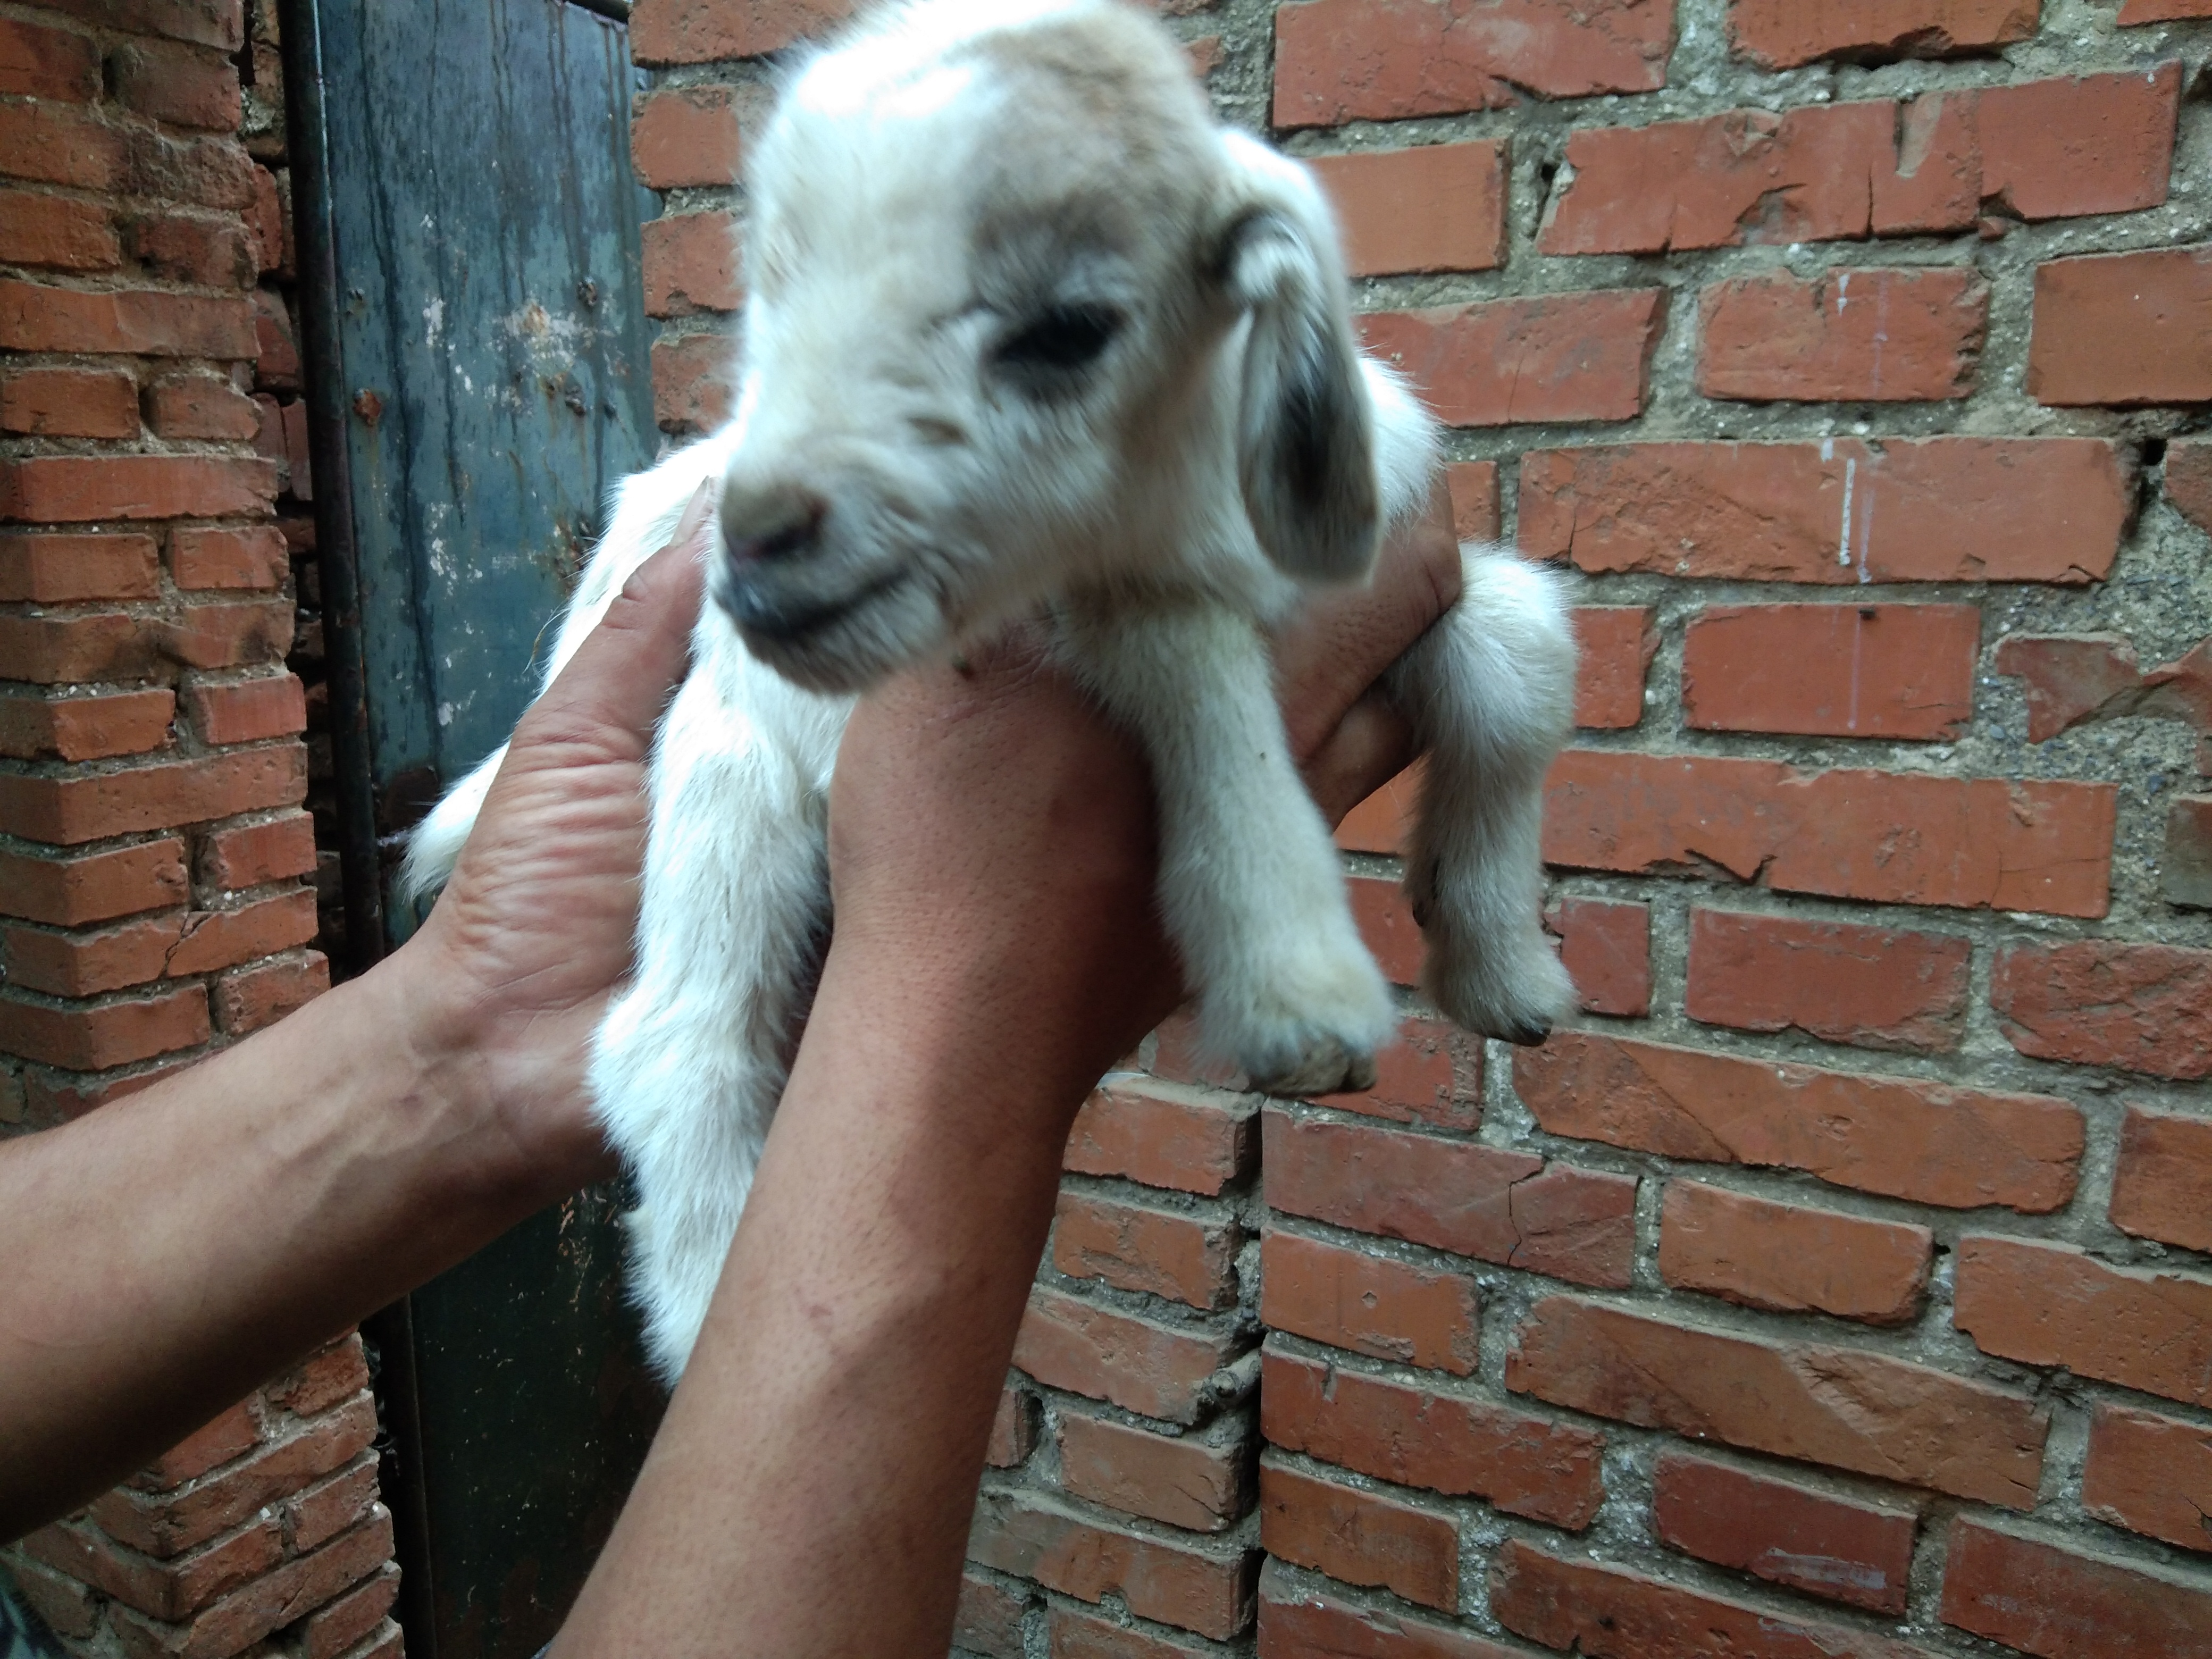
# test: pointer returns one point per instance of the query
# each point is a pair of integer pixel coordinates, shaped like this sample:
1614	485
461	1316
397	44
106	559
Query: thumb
618	681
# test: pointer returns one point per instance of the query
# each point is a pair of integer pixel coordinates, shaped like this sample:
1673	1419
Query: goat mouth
760	614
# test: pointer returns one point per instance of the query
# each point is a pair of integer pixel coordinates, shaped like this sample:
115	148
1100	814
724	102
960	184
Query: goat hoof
1526	1033
1326	1067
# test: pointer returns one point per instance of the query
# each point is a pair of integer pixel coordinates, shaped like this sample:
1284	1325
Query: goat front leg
1251	890
1490	693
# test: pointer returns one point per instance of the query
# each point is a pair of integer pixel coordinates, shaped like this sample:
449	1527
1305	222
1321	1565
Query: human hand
519	958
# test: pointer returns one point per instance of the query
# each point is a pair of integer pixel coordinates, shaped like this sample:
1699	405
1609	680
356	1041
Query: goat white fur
1026	328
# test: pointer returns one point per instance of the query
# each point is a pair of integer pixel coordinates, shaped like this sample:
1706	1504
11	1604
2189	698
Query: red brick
2058	1603
33	317
1606	947
1206	54
168	1524
1614	644
277	351
2162	1188
2071	678
1441	207
1784	34
1836	671
246	855
1842	1406
2054	1304
1787	1259
70	810
1609	1613
37	62
1384	821
55	569
1161	1134
2044	149
320	1513
220	23
2159	11
1133	1247
70	892
231	1434
319	1381
1299	1624
1927	509
86	964
691	381
1879	987
1429	1074
1184	1482
1368	1303
989	1619
684	135
1359	1537
169	1590
1460	1447
2150	1474
1860	1553
277	1598
266	222
1382	60
1153	1369
2189	477
1475	1200
69	403
185	86
70	1609
206	253
1387	928
215	939
706	31
54	488
227	556
229	634
1903	337
209	172
2124	328
1892	838
248	999
2101	1002
1904	1138
85	728
1473	490
246	711
58	146
200	406
691	265
1546	357
338	1626
93	1039
1013	1430
1206	1590
56	232
2185	872
1072	1635
67	650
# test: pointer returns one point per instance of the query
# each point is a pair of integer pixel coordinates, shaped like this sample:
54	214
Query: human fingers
618	681
1340	643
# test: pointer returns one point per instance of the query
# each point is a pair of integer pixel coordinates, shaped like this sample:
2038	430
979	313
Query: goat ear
1306	436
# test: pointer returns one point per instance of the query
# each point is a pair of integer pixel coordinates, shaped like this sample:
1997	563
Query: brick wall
1838	1283
155	542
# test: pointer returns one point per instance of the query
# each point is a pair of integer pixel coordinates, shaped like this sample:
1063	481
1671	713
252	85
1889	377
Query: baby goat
1026	328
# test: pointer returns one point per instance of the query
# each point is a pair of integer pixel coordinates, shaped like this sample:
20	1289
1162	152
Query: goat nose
760	526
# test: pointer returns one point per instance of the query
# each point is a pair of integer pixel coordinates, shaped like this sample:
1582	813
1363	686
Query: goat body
1026	329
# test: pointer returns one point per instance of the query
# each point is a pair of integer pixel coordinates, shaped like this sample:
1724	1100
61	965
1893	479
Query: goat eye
1065	337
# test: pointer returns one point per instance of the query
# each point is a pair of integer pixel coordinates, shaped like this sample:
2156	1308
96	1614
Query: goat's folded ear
1305	438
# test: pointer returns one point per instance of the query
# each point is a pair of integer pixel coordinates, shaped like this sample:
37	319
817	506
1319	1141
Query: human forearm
168	1252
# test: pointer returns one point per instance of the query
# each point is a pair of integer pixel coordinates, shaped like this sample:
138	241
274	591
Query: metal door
479	375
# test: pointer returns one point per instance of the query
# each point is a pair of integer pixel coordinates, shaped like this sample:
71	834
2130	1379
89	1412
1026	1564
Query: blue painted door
493	352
